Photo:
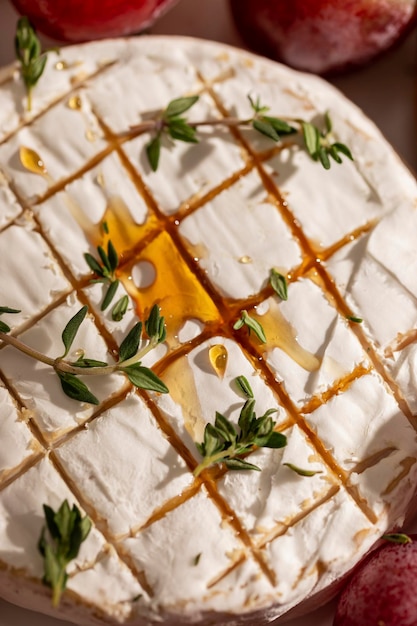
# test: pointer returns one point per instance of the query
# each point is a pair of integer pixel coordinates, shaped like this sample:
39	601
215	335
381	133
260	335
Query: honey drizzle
281	334
24	121
180	382
310	261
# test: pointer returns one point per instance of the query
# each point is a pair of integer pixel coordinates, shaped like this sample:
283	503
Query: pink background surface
385	90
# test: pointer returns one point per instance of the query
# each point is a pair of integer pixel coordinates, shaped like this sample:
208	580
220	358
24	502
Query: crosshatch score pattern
199	237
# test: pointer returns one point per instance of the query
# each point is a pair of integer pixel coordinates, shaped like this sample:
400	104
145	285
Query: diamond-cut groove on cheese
259	542
367	345
29	117
297	416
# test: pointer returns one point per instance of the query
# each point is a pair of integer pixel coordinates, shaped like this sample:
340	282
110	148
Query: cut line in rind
226	310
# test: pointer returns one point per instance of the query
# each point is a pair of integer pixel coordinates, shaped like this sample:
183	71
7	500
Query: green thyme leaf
120	308
334	154
212	442
225	428
252	324
323	155
130	344
137	597
256	105
180	130
311	138
328	123
281	126
74	388
83	362
276	440
244	386
93	264
112	256
241	464
60	543
247	417
302	472
279	284
5	328
71	329
397	538
153	151
340	147
355	319
265	128
179	105
110	293
144	378
105	260
7	309
37	68
155	325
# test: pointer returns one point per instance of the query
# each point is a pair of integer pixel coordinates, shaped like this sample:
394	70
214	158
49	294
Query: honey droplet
100	180
218	359
245	259
31	161
91	135
75	103
61	65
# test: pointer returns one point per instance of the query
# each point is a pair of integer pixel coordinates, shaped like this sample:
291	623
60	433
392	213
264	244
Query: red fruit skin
323	36
383	589
81	20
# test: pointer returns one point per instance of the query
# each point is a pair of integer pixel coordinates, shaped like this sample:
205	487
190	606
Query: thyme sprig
252	324
177	127
30	55
131	352
60	543
317	143
105	270
223	443
272	127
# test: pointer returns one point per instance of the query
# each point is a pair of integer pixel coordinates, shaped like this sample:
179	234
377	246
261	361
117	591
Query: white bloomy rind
227	547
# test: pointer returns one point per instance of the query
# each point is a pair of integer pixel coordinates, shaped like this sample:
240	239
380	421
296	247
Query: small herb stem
143	127
19	345
63	366
158	124
223	121
29	98
58	364
141	353
57	590
212	460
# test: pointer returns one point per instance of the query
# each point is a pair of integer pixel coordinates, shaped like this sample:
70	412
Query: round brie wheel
276	278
